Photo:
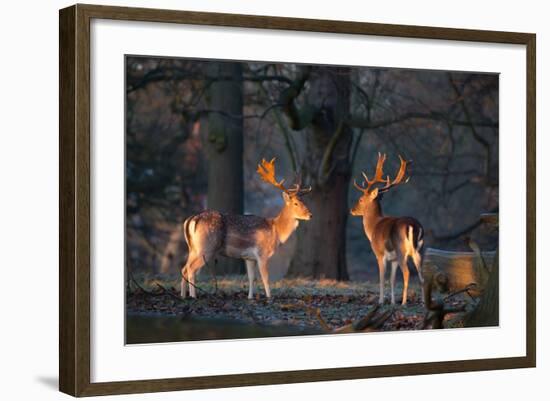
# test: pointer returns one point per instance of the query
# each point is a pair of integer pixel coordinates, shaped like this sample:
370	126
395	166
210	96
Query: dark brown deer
393	239
252	238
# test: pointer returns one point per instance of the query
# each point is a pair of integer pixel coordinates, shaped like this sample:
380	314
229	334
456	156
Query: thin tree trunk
224	148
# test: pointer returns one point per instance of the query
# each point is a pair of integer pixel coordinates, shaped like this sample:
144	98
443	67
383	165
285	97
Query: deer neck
285	224
371	218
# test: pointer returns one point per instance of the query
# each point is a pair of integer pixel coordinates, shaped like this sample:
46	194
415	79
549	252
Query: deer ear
286	197
374	193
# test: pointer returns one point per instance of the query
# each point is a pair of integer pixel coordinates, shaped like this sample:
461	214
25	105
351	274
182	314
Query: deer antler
266	170
298	190
378	176
399	178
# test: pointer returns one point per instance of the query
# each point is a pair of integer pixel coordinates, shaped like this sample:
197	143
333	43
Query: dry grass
287	287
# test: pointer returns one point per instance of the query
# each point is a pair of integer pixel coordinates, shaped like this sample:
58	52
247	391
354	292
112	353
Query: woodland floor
295	302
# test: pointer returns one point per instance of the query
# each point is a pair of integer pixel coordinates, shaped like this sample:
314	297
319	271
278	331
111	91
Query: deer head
291	196
370	192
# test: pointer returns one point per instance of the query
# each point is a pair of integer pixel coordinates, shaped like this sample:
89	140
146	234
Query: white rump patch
410	249
191	227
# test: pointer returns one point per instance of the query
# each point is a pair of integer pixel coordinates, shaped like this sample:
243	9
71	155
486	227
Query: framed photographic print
251	200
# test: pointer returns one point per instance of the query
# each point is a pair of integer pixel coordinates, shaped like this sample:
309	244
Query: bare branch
365	123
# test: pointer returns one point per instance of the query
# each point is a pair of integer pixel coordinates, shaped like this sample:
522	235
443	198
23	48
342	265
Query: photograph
269	199
250	200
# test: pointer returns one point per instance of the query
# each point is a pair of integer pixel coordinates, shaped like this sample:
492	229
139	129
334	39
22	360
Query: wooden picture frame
74	204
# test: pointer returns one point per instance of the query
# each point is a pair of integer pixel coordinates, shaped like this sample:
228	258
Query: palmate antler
266	170
378	176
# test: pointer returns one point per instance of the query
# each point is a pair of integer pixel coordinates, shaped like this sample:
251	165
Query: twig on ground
370	322
168	292
466	289
138	285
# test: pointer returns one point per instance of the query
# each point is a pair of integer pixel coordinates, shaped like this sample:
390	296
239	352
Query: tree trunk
321	241
487	312
224	148
321	252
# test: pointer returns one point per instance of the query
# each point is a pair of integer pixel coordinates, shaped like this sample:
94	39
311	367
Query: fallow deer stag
393	239
247	237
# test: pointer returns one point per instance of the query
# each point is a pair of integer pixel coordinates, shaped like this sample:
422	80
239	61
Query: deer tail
188	226
416	238
419	243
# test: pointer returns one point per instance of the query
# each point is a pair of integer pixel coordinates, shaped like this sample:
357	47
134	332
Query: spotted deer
393	239
252	238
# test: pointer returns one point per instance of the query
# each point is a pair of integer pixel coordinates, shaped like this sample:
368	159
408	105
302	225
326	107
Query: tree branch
326	168
179	74
282	126
482	141
365	123
463	231
299	118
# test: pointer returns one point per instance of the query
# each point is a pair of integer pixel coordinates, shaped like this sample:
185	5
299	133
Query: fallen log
462	268
372	321
436	309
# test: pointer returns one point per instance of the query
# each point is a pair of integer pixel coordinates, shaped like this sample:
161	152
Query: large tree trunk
487	312
223	141
321	241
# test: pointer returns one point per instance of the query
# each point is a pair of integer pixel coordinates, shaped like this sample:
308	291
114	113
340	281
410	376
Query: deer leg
192	288
191	270
417	260
250	265
394	265
382	274
183	284
264	273
405	271
185	275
